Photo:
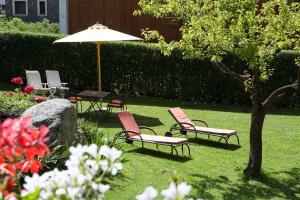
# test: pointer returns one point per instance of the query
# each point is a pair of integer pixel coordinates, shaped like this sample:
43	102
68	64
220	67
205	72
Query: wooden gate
117	15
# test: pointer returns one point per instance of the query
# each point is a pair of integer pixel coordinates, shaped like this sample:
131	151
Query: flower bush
87	167
13	105
21	147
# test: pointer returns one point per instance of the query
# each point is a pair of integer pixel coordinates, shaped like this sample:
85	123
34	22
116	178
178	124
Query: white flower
103	188
73	191
110	154
115	168
149	193
81	175
60	191
92	150
174	192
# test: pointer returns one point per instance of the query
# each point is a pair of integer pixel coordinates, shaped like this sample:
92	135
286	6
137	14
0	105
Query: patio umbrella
97	34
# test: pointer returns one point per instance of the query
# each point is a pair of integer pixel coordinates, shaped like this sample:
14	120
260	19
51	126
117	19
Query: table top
93	94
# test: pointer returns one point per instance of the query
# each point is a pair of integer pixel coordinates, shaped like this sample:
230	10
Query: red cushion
114	105
180	116
75	98
128	122
116	101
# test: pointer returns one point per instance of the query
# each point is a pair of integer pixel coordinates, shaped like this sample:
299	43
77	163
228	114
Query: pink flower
28	89
17	80
38	99
10	93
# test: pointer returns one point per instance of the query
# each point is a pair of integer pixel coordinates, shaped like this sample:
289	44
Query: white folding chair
53	81
34	79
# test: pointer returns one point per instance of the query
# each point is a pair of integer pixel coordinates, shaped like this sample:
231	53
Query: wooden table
95	99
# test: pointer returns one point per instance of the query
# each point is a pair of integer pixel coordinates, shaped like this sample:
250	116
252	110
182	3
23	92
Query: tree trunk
257	120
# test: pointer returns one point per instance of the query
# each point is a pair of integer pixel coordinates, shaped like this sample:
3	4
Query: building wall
52	11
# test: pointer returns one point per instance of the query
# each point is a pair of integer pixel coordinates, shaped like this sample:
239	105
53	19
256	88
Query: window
42	7
20	7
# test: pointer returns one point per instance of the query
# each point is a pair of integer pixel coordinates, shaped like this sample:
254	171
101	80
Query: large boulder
59	115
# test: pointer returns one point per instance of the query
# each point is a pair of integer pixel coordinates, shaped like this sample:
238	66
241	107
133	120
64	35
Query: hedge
136	67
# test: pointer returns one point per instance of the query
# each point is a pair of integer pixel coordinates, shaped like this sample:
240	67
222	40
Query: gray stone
61	118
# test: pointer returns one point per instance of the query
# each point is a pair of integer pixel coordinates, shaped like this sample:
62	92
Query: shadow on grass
161	154
268	186
214	144
161	102
113	121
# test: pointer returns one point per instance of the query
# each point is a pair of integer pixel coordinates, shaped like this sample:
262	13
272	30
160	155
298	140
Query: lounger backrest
180	117
34	79
128	122
53	78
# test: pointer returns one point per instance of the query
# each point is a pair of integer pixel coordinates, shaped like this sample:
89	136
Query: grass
214	170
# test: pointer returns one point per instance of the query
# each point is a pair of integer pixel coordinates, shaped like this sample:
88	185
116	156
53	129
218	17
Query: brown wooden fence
117	14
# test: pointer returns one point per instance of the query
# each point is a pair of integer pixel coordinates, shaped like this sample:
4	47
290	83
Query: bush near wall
135	67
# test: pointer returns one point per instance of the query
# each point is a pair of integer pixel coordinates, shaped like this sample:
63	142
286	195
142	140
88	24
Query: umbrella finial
98	26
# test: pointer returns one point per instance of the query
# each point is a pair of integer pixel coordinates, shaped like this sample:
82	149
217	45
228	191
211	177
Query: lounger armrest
185	123
129	131
199	120
148	128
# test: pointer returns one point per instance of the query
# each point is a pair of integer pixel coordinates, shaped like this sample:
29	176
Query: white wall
63	17
2	2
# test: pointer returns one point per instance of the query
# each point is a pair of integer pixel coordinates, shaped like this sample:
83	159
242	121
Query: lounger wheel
168	134
128	141
183	132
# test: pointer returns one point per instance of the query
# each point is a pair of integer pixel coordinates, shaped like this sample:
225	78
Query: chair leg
188	148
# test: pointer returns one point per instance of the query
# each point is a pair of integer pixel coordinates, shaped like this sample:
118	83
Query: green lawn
214	170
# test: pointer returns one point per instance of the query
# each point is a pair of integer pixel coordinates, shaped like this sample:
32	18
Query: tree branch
284	91
227	71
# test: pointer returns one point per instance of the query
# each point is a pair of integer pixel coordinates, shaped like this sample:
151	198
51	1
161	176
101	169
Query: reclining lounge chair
132	132
185	125
34	79
53	80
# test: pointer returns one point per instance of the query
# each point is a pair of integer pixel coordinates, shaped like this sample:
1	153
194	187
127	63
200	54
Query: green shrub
131	66
18	25
13	106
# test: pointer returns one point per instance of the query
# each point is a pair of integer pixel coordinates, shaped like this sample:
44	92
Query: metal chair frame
180	127
124	135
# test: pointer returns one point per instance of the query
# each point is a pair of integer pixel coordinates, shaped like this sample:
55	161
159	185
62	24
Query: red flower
17	80
21	147
38	99
28	89
10	93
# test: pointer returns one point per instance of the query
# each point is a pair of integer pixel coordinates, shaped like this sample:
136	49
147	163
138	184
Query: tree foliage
211	29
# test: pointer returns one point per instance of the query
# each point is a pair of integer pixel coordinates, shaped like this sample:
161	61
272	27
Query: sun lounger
185	125
132	132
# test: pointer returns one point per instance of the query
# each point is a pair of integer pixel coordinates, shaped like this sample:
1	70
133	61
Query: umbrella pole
98	66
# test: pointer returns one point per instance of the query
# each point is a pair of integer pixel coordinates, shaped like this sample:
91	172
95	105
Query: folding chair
53	80
34	79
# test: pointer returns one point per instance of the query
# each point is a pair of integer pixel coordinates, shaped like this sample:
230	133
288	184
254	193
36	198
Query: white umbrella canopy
97	34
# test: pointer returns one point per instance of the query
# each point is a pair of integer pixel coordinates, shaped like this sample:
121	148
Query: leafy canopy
211	29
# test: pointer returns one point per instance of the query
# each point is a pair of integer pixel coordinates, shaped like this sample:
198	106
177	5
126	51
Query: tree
251	30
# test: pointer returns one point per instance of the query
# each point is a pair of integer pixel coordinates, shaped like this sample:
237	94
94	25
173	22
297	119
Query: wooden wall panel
118	15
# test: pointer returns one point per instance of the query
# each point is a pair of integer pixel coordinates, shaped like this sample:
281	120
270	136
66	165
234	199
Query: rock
59	115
